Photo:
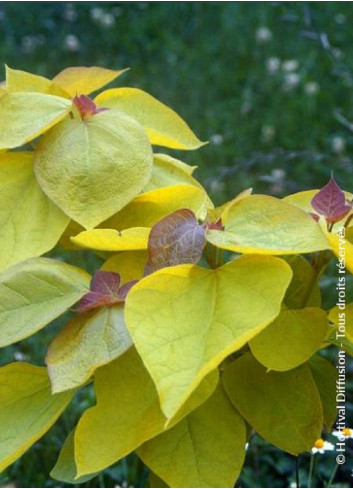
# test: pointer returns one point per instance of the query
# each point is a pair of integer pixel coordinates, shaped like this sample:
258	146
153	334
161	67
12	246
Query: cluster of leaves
203	323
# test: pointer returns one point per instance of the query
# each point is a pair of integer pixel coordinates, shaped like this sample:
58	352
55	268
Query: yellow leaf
168	171
65	467
70	231
112	240
291	339
26	115
84	344
27	409
129	265
22	81
342	248
93	168
304	288
148	208
205	449
82	80
35	292
266	225
218	212
325	377
155	481
192	318
126	415
163	126
282	407
145	210
30	224
167	161
349	234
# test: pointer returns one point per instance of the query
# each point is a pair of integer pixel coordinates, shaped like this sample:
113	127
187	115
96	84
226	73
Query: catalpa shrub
202	325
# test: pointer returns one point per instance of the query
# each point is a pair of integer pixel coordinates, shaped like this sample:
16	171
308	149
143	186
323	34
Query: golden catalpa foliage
202	325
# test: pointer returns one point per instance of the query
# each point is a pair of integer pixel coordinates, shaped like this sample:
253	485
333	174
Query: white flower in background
30	43
290	65
71	43
291	80
340	18
346	433
273	64
338	144
311	88
20	357
107	20
268	132
70	13
216	139
263	35
96	13
246	446
321	446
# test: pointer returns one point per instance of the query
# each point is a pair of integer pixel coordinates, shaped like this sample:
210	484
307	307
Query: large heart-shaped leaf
148	208
27	409
266	225
205	449
113	240
22	81
126	415
192	318
163	126
169	171
93	168
26	115
283	407
65	468
291	339
30	224
78	80
87	342
35	292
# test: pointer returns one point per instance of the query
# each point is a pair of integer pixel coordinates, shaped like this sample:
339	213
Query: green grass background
276	130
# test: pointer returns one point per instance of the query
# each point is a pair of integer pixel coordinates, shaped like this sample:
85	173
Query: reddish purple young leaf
106	290
86	106
218	225
175	239
330	202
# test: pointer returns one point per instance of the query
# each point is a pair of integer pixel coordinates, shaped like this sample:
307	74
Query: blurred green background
268	84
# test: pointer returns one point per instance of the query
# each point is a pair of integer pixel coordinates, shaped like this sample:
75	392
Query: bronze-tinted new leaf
105	290
330	202
177	238
86	106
